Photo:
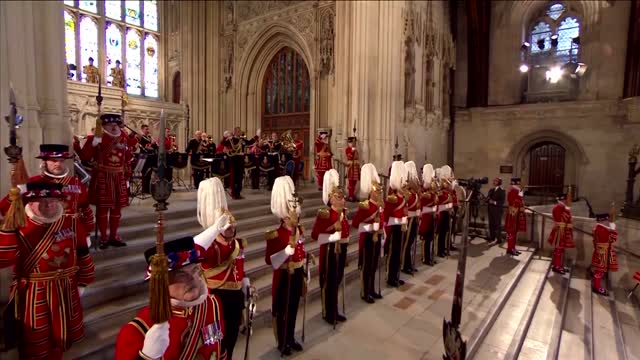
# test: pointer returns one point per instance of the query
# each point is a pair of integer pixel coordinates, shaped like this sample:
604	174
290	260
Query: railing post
541	241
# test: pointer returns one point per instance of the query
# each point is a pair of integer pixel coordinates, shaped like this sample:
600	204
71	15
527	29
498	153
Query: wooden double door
546	168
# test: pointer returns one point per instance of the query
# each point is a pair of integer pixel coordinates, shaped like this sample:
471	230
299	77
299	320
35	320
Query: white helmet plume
398	175
412	171
330	181
447	172
427	174
368	175
212	201
282	197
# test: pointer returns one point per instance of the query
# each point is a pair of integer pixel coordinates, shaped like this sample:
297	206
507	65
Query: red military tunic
328	221
297	153
108	187
428	206
395	208
515	220
353	163
77	199
185	333
49	262
604	257
368	214
223	265
443	203
323	156
562	234
277	241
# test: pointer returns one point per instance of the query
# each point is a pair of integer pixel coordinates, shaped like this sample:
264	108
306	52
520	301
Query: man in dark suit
496	198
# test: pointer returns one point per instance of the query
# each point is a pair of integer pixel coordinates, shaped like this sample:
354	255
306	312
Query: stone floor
407	323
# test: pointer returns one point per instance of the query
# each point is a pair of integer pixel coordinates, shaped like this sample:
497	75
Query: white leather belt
394	221
429	209
368	228
414	213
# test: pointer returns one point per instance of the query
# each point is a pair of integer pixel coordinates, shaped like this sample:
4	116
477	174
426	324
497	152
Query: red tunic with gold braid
277	241
604	257
323	155
562	234
353	163
368	214
515	220
185	333
108	187
223	265
77	199
428	202
395	208
327	221
50	261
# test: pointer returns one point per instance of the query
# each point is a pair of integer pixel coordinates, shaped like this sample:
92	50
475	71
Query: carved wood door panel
546	164
286	98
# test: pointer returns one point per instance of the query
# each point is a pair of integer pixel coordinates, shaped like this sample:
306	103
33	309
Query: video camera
473	184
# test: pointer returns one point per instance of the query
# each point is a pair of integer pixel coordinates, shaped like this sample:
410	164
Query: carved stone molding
227	62
248	10
304	24
327	40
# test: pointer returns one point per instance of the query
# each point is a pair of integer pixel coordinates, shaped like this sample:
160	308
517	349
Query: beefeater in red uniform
428	208
562	234
395	220
368	222
54	170
331	231
108	187
604	257
196	326
323	157
286	255
52	267
353	167
515	220
223	262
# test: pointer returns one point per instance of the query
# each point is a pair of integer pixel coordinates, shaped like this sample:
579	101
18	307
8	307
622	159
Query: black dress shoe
328	321
400	282
453	248
414	270
295	346
286	351
341	318
368	299
116	243
376	295
408	272
392	283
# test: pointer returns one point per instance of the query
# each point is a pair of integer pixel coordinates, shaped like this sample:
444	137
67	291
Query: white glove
156	341
612	226
521	193
259	132
22	187
336	236
96	141
206	238
246	283
127	184
88	241
289	250
376	226
404	220
81	290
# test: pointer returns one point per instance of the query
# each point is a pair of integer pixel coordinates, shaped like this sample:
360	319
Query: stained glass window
89	6
150	66
555	11
113	9
286	84
114	48
70	42
151	15
558	22
542	30
132	11
568	30
88	42
133	71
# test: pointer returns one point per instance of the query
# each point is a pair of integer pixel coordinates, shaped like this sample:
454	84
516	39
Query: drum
177	160
81	172
249	161
220	165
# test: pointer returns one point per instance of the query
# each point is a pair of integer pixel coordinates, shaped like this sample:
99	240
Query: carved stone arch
576	157
252	68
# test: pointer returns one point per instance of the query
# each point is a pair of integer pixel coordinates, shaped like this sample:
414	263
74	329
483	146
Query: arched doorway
546	168
176	86
286	97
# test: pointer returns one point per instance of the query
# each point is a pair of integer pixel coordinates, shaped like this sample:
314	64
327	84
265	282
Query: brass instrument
174	145
287	141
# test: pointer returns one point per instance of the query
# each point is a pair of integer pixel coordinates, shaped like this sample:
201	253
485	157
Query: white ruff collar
61	176
112	134
44	220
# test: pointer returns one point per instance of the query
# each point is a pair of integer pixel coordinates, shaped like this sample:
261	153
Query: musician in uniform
395	220
54	170
353	167
412	194
223	257
52	267
331	230
323	156
236	147
92	75
196	326
197	149
108	187
297	156
562	234
148	147
428	200
367	221
514	221
118	76
604	257
270	163
286	255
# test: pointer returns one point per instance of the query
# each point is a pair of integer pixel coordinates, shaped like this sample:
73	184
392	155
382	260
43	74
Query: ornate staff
454	346
159	302
16	216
